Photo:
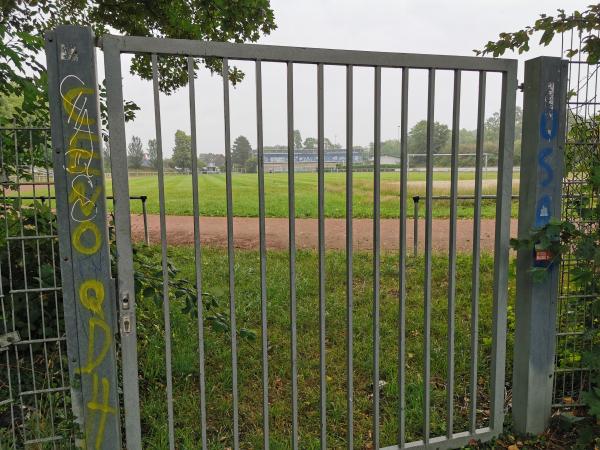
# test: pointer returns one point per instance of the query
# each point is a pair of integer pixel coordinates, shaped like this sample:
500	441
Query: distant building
308	160
211	168
146	163
386	159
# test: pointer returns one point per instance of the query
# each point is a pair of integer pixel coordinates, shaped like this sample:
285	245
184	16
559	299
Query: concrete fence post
541	176
88	295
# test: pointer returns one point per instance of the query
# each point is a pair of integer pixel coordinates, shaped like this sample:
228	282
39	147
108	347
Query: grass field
178	193
218	356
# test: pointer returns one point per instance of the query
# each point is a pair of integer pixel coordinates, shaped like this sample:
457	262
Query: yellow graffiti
78	195
93	360
79	159
80	229
102	407
92	302
76	163
85	190
79	114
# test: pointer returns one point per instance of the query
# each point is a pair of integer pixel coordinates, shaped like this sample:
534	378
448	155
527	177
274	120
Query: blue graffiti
546	132
545	166
543	211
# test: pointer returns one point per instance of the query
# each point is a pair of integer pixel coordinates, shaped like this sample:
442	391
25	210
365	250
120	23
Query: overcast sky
408	26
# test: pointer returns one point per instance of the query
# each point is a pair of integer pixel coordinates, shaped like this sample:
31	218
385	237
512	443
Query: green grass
178	193
247	285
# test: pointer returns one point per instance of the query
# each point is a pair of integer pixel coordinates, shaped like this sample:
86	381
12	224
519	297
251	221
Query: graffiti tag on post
82	222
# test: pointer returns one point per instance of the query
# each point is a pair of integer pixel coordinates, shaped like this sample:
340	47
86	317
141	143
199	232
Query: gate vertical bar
376	250
164	256
475	278
428	245
349	258
402	262
321	220
126	289
82	229
539	203
292	250
263	253
197	250
230	255
452	251
501	245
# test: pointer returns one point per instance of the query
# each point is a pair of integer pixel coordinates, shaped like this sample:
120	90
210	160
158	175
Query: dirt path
180	231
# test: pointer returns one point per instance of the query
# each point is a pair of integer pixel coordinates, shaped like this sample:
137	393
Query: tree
310	143
390	147
330	145
241	152
8	106
417	137
492	126
23	23
586	22
297	140
182	152
153	154
251	165
135	153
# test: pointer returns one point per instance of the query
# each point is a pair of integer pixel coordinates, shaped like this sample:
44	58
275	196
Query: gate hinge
9	339
521	87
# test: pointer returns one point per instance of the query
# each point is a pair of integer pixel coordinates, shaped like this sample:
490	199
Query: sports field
178	194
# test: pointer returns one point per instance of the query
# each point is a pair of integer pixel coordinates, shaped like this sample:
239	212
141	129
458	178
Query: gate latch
125	315
9	339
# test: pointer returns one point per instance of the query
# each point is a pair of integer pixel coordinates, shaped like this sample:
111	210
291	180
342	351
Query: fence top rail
275	53
25	129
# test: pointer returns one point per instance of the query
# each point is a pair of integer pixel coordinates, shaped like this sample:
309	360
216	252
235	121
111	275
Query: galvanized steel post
89	306
539	202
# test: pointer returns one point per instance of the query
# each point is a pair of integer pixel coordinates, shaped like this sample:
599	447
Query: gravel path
180	231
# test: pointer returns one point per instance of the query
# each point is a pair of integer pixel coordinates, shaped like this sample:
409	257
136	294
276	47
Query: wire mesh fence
577	322
35	399
34	384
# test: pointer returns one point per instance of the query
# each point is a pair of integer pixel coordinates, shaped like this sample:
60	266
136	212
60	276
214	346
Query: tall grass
247	295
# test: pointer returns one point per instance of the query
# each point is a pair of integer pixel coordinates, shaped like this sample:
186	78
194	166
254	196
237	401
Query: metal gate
75	119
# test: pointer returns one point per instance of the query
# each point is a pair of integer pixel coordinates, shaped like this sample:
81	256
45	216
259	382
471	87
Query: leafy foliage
586	22
23	24
21	267
579	240
148	279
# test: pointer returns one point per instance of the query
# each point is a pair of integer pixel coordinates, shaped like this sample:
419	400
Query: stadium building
308	160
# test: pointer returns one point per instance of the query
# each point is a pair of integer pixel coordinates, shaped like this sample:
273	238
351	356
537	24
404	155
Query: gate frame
114	46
